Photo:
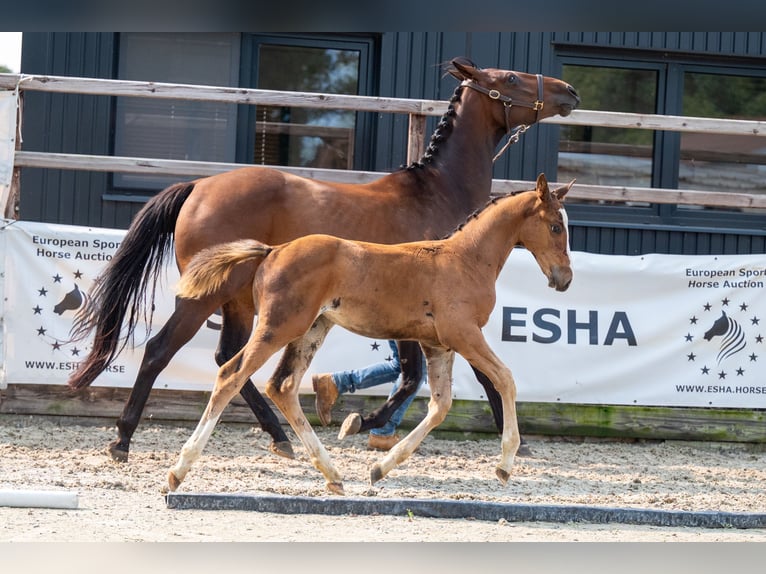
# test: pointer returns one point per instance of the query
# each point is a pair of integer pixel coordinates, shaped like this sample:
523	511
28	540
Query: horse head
521	98
720	327
545	233
71	301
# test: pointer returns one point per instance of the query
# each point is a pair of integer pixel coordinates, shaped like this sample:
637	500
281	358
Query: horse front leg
480	356
496	404
237	323
440	363
411	359
282	388
184	322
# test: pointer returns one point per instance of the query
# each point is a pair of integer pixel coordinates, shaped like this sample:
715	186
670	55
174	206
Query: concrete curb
478	510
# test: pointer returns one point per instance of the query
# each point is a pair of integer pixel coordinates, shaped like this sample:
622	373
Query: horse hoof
118	452
336	488
376	474
524	450
352	425
173	482
282	448
502	475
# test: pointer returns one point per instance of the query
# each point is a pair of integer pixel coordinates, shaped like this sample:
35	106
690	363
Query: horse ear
562	191
543	191
462	68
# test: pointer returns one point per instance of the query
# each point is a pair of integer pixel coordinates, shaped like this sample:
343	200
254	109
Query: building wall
408	66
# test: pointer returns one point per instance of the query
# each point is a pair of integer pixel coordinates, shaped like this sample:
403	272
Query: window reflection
303	136
719	162
609	156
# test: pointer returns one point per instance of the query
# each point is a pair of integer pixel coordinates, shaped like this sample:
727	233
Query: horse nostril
574	93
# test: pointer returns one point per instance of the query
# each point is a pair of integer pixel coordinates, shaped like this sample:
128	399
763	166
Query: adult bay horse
423	200
439	293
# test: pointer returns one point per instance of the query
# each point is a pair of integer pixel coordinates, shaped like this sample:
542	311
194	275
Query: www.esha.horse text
54	247
742	278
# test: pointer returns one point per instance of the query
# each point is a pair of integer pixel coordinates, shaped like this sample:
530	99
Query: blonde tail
210	269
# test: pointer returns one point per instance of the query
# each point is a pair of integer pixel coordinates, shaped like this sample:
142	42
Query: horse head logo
71	301
733	337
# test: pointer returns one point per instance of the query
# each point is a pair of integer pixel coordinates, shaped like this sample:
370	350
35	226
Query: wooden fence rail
418	111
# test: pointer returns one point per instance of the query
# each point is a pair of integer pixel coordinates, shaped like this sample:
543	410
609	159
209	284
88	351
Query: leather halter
508	102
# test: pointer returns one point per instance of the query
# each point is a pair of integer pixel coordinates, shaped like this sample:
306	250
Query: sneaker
326	395
382	442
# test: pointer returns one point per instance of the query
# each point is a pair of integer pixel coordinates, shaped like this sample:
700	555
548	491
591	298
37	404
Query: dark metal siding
409	66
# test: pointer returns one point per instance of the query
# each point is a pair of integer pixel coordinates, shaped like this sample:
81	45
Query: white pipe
38	498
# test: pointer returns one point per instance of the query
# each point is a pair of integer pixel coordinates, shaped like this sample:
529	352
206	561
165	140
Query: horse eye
512	79
556	228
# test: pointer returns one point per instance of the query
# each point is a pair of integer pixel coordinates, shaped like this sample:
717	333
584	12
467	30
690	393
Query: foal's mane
492	201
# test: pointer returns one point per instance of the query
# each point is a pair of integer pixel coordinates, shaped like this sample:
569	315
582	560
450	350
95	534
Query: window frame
667	144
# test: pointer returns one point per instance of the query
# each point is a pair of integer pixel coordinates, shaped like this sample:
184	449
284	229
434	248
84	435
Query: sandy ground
123	502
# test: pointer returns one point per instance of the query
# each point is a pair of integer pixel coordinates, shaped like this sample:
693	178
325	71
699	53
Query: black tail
123	286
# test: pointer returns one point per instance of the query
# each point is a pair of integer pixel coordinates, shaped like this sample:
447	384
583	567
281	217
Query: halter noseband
508	102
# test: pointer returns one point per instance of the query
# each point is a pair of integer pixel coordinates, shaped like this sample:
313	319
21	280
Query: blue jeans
373	375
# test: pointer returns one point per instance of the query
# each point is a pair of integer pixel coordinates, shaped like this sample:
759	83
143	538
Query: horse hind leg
184	322
235	330
412	366
440	363
229	380
282	388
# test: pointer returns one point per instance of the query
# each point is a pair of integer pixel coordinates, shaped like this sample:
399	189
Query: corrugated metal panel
619	241
748	44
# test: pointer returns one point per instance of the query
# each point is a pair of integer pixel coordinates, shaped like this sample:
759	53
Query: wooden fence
466	416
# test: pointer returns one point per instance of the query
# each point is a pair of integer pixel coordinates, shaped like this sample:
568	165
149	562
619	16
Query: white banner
643	330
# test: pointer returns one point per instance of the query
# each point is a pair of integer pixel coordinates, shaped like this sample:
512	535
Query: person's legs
384	438
370	376
329	386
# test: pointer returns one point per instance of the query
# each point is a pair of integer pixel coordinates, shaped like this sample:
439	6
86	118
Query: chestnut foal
439	293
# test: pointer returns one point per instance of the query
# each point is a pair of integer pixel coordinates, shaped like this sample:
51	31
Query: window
304	136
211	131
673	160
603	155
718	162
175	129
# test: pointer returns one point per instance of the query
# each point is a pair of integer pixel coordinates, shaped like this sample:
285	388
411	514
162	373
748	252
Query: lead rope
513	137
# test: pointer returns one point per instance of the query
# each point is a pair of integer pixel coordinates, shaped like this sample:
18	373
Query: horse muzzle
560	278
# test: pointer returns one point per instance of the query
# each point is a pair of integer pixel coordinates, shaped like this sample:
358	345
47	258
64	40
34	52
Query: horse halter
508	102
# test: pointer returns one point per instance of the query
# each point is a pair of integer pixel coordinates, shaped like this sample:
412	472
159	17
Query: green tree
5	69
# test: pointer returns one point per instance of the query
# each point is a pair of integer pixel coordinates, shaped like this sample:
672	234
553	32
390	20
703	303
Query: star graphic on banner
707	306
722	375
41	331
743	307
759	338
755	320
753	357
37	309
42	291
691	356
693	320
740	371
78	274
56	345
725	301
75	352
57	278
705	370
689	337
375	346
